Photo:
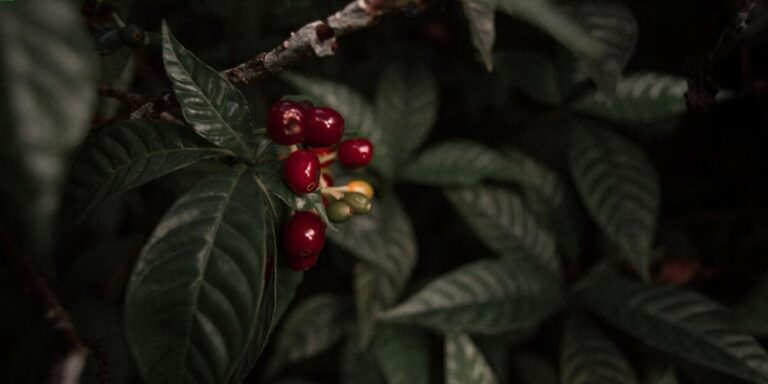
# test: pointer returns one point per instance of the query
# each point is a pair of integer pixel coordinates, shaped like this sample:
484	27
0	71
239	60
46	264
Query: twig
69	365
317	38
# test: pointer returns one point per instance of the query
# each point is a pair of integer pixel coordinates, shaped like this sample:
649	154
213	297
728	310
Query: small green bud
359	202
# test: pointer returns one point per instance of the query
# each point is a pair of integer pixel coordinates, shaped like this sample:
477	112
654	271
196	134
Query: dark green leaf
480	15
127	155
642	98
588	356
619	186
501	220
315	325
676	321
384	241
486	297
406	109
193	300
214	107
464	363
358	365
611	23
288	282
403	354
455	162
47	88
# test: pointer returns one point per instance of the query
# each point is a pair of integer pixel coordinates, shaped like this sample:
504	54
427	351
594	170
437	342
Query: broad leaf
270	177
389	347
548	16
620	189
464	363
357	111
499	217
384	241
486	297
480	15
676	321
406	109
642	98
215	108
288	282
611	23
194	297
315	325
127	155
588	356
455	162
47	88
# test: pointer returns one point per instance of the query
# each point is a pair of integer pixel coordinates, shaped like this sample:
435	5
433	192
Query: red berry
324	127
326	155
303	239
355	153
286	121
302	171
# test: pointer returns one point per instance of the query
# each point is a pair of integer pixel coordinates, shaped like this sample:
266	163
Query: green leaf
358	365
47	88
270	176
676	321
406	109
485	297
288	282
480	15
588	356
548	16
384	241
464	363
619	186
642	98
193	300
214	107
455	162
499	217
315	325
497	352
388	347
357	111
613	25
127	155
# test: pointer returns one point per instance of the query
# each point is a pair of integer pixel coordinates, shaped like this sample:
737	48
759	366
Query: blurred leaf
641	99
402	354
406	109
485	297
127	155
667	376
39	122
214	107
752	311
288	282
384	241
588	356
455	162
315	325
534	369
497	352
192	304
548	16
464	363
480	15
358	365
620	189
270	175
613	24
676	321
499	217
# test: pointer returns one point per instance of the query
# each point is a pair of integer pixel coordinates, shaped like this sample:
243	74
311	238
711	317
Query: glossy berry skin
301	172
361	187
355	153
324	127
286	122
325	154
303	239
339	211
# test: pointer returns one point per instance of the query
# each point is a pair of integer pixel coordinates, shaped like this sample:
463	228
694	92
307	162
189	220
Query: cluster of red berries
319	131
